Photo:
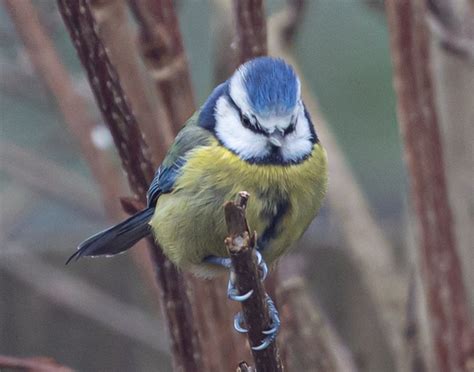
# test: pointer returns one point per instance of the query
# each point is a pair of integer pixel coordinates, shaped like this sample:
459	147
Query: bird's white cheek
234	136
298	144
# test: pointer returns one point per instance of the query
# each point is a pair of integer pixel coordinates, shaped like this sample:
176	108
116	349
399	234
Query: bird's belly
189	222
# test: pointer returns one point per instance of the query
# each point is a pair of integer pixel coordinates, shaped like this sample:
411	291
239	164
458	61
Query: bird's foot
270	334
262	265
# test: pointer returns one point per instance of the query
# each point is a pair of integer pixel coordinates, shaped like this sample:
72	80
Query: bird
253	133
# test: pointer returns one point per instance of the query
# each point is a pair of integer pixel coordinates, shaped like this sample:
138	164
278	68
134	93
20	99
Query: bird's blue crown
271	85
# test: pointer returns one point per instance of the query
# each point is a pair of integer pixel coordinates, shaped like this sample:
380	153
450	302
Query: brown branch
162	50
161	46
295	10
244	367
118	37
110	97
72	106
240	245
452	21
369	250
32	364
311	343
412	329
251	36
451	331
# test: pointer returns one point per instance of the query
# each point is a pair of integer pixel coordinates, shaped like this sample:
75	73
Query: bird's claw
238	323
233	293
273	331
262	265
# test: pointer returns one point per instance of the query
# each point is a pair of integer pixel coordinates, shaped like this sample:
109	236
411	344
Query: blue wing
190	137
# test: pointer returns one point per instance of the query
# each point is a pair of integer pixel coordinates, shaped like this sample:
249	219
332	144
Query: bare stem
162	50
251	29
240	245
418	118
40	364
128	139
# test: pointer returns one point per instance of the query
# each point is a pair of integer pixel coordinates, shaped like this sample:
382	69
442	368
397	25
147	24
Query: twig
453	24
251	29
33	364
244	367
163	53
240	245
48	178
295	10
368	248
73	107
133	152
162	50
412	331
451	331
450	22
311	342
118	37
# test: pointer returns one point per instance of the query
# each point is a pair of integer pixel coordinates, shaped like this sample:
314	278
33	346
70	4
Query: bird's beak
275	140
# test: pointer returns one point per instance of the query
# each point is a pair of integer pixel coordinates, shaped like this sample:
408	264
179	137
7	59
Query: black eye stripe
246	123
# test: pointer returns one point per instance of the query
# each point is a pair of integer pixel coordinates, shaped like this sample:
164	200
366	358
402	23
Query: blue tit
253	133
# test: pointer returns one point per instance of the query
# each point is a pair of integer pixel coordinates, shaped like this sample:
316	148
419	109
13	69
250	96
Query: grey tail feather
118	238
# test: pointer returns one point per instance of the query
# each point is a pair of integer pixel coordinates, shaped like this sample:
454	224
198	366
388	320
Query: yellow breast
189	222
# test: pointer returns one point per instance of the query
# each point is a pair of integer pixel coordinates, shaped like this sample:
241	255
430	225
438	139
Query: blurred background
342	48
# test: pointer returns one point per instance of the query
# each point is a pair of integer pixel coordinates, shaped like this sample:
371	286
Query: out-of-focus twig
241	245
117	36
48	178
81	297
72	106
451	330
311	343
416	357
112	102
162	50
367	246
452	55
251	29
452	22
32	364
295	10
163	53
92	137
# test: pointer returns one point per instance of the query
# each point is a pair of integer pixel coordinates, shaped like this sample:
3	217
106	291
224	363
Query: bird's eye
290	128
246	121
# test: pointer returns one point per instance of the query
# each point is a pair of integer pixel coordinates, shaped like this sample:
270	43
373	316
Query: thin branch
92	137
453	24
451	331
311	342
241	245
33	364
367	246
118	37
72	106
412	329
105	84
251	36
162	50
49	178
